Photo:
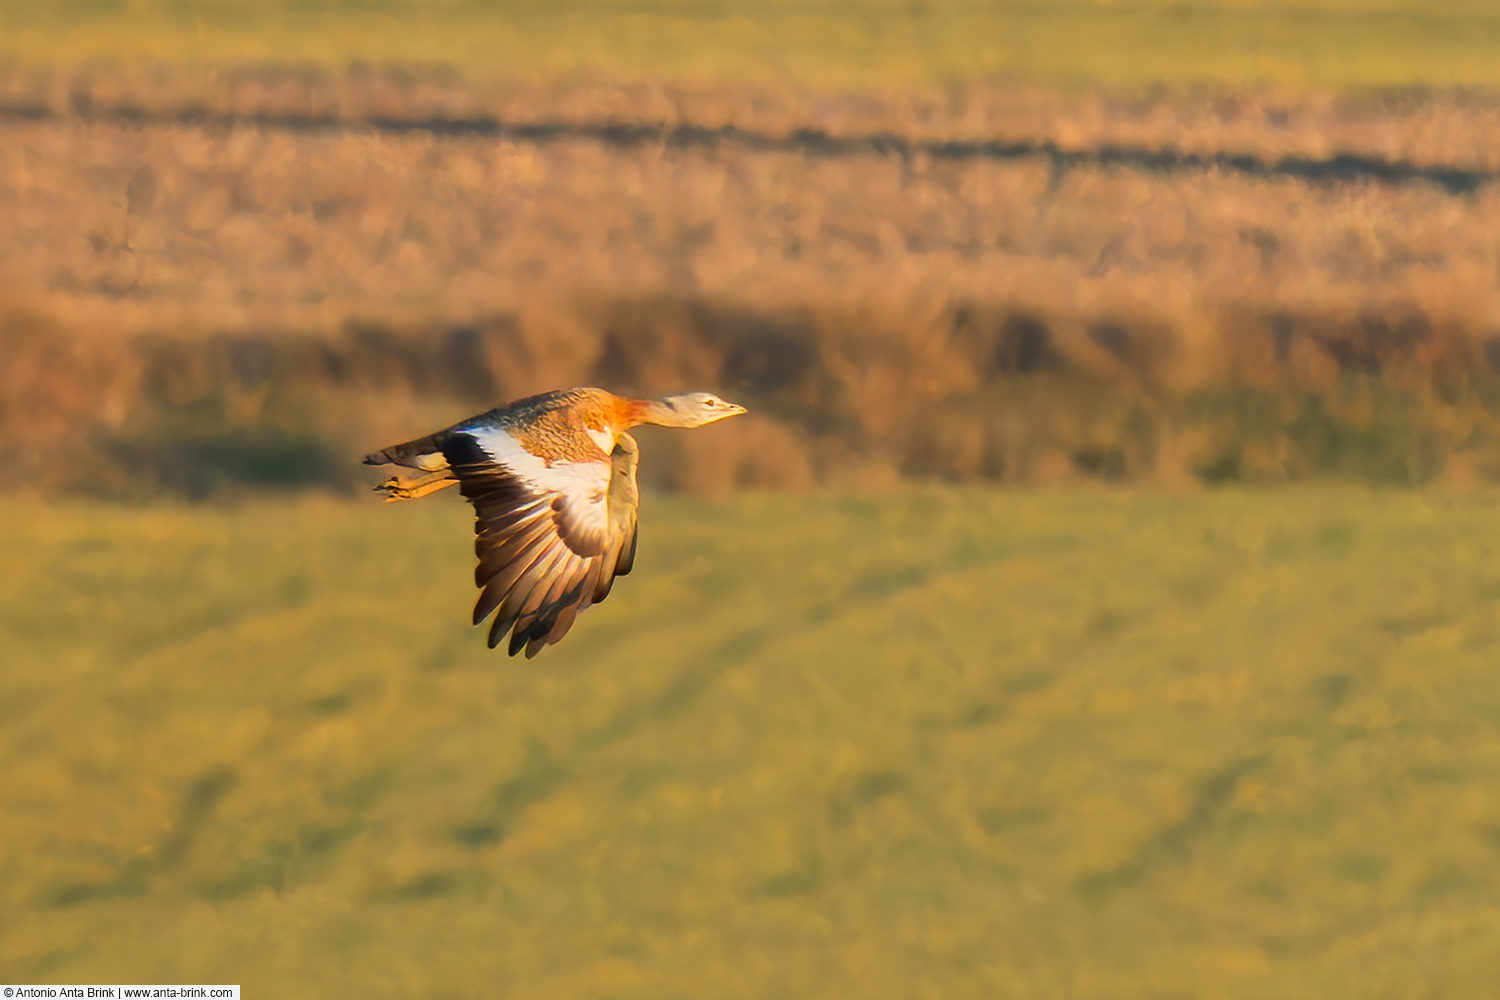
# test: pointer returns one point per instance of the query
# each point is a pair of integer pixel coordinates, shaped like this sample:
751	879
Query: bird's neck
654	411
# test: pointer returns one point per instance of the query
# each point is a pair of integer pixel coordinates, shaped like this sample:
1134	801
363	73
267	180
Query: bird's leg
396	488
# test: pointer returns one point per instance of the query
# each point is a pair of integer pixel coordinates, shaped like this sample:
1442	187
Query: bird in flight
552	481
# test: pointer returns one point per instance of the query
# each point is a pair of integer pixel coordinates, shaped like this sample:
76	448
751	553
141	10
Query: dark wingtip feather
627	557
604	588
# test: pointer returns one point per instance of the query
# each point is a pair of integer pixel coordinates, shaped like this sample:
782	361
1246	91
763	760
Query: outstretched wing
550	538
623	500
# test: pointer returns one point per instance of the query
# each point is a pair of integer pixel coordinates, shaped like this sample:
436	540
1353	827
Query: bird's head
698	408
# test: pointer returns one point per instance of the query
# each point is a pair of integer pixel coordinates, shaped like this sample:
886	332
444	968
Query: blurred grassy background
884	738
1138	242
885	43
947	742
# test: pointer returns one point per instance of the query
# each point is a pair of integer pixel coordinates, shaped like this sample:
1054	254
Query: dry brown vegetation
229	277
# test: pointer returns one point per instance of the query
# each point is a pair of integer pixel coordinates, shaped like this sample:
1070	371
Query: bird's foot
395	488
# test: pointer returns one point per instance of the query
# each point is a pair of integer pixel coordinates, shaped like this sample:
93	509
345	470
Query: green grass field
886	43
942	743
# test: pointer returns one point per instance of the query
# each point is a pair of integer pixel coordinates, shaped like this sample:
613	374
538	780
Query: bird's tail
424	454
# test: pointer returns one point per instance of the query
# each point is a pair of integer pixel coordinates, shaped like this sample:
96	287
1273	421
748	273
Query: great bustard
552	481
